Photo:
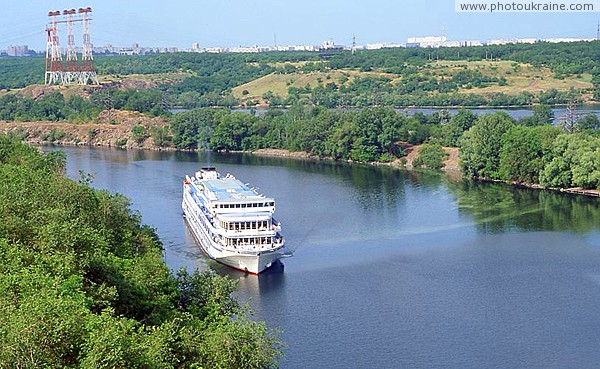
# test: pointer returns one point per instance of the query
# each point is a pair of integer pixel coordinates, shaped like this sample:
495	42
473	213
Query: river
394	268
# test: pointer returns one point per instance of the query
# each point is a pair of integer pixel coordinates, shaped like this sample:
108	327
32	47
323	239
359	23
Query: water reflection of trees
499	207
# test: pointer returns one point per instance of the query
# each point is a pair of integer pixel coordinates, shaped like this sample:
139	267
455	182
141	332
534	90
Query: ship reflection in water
269	280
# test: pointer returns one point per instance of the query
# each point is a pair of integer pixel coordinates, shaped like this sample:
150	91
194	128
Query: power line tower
88	71
598	32
353	43
72	72
54	65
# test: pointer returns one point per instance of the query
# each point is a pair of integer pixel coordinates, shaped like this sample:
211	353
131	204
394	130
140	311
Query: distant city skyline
235	23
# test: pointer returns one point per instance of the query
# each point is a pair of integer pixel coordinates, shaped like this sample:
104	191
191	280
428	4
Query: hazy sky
254	22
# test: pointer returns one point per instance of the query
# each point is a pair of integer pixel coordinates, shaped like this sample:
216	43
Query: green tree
480	146
524	150
83	283
542	115
231	131
460	122
574	161
589	122
431	156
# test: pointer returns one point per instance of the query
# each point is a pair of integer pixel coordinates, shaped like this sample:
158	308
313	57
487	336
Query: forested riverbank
530	151
83	282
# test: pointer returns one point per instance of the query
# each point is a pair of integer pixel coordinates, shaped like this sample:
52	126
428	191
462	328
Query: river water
392	268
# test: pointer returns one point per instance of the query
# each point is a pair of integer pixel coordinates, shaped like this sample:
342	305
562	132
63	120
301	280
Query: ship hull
253	263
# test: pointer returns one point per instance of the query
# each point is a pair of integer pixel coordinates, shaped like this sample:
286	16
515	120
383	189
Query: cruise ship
233	223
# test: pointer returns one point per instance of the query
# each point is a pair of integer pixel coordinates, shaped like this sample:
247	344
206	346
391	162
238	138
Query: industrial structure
71	71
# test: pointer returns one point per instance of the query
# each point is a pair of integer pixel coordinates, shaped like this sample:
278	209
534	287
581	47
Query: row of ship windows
241	226
244	205
249	241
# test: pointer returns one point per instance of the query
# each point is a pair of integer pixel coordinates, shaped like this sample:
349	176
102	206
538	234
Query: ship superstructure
232	222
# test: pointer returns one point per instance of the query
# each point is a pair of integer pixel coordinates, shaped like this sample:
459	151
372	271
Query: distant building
502	41
567	39
451	44
330	46
427	41
375	46
527	40
20	50
471	43
215	50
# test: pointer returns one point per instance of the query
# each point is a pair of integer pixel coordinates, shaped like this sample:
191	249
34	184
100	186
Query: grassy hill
520	77
279	83
517	78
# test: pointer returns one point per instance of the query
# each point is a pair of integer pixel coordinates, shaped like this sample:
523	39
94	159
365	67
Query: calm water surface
393	268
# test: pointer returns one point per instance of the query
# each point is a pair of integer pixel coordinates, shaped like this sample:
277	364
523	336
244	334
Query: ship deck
230	189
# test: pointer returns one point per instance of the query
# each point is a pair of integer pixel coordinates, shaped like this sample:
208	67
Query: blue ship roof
230	189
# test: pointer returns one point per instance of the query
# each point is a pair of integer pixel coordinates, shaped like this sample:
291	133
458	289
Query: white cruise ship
232	223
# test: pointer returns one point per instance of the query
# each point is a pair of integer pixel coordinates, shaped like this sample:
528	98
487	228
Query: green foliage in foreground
83	283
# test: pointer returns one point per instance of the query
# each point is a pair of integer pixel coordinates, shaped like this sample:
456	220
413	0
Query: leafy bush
431	156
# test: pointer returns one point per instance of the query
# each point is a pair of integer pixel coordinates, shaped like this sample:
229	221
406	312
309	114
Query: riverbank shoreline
534	186
120	136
